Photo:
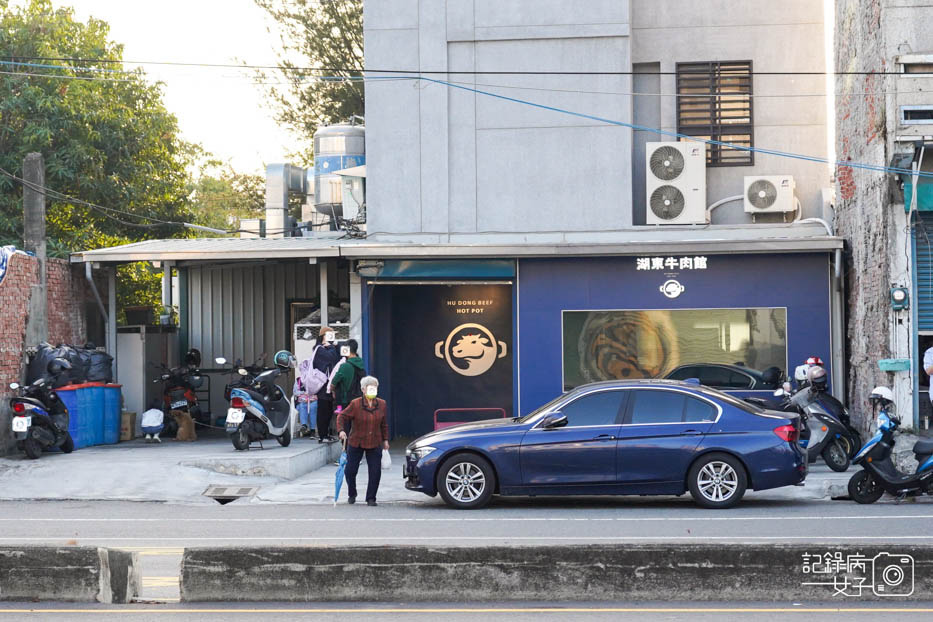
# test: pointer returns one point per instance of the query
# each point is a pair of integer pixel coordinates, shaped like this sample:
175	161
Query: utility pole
37	327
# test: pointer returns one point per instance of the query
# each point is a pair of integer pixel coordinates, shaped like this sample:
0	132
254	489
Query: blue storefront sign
589	319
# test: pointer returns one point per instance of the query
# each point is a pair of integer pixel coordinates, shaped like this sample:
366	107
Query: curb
270	464
558	573
75	574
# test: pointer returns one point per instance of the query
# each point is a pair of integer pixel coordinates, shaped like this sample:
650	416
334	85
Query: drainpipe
100	303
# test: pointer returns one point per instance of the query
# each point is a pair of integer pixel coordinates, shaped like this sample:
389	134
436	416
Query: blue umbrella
341	467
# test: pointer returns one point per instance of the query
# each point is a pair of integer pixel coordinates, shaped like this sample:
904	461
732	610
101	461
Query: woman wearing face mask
326	356
369	435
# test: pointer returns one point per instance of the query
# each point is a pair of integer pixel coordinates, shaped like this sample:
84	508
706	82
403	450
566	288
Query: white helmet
883	395
800	373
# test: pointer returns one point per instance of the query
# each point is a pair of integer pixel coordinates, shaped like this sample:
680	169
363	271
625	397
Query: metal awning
212	249
355	171
719	239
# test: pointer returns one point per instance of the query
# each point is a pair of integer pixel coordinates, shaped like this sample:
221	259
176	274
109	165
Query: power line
446	72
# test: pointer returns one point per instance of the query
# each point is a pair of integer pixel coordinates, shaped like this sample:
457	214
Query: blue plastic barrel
77	427
112	411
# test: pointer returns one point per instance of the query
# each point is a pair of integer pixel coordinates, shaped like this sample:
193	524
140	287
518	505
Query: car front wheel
717	481
466	481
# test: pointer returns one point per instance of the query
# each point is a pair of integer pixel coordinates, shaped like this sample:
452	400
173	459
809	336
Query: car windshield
541	409
732	400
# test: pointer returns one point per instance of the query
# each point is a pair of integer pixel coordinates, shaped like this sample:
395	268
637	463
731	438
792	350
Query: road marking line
490	519
356	611
497	538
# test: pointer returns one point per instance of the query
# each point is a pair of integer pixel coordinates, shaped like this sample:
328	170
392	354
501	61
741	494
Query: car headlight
419	452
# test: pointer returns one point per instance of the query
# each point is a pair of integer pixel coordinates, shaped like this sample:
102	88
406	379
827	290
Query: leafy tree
105	135
323	34
221	197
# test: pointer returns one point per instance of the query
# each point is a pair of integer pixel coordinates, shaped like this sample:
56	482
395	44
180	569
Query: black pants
373	463
325	412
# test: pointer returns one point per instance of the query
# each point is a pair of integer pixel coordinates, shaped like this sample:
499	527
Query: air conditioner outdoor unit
770	194
676	183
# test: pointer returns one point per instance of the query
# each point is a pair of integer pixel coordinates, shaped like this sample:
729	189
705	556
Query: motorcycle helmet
772	377
814	360
193	358
800	373
882	396
817	377
284	359
57	366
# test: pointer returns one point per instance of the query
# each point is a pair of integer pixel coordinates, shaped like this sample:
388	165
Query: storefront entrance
442	346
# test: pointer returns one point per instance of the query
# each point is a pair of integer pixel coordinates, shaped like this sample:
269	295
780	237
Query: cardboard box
127	426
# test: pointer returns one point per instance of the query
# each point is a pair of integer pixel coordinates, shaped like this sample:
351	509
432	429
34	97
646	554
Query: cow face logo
470	349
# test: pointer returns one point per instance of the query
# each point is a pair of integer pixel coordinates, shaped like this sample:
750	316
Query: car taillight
788	433
238	402
18	407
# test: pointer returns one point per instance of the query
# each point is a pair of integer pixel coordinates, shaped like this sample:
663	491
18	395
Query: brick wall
863	198
66	294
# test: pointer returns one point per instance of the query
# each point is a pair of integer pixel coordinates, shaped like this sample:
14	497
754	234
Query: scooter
835	409
260	411
40	419
178	393
879	475
821	435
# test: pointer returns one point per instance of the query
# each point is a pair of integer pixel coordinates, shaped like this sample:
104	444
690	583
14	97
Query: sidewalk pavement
137	471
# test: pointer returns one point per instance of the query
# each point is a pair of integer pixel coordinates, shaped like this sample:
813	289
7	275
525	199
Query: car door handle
604	437
690	433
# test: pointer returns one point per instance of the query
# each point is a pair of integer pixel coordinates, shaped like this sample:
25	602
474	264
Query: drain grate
226	494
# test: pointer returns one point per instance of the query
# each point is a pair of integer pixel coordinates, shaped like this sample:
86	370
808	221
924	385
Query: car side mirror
14	385
553	421
220	360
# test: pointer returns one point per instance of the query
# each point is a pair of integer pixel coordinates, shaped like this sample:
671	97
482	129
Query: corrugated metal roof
780	238
212	249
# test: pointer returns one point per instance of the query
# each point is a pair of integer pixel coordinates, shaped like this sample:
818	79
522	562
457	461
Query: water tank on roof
336	147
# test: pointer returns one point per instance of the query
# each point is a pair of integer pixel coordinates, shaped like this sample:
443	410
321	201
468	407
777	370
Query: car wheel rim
465	482
717	481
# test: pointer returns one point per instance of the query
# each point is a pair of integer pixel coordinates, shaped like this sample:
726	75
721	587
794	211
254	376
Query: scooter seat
924	447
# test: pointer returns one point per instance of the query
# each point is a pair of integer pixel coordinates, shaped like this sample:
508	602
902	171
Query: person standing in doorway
346	383
326	357
369	435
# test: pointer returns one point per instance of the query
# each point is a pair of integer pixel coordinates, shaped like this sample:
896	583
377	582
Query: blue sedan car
647	437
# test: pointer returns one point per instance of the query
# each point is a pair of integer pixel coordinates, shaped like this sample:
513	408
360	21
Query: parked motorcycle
262	410
879	474
822	434
178	390
40	419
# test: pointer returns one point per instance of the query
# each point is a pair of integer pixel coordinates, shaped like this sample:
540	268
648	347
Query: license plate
235	416
21	424
179	403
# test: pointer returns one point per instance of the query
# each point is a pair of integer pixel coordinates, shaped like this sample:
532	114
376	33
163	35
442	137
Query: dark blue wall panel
799	282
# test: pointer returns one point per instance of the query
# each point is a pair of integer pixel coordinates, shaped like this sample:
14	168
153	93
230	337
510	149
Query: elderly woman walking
369	435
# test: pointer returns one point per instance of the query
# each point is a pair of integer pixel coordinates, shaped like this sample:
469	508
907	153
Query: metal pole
322	268
112	321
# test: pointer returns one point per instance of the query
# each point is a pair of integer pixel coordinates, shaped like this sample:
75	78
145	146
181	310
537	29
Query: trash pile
88	363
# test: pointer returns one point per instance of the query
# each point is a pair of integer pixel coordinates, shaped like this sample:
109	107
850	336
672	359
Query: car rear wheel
466	481
717	481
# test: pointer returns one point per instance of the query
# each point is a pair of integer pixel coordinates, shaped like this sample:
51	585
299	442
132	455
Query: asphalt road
159	532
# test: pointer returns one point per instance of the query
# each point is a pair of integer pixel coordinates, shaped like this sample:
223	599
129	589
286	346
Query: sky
219	108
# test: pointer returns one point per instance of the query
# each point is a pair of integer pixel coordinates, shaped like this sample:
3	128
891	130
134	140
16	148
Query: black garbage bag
80	360
101	367
39	362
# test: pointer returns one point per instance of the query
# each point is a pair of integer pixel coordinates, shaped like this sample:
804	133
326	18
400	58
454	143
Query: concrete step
299	458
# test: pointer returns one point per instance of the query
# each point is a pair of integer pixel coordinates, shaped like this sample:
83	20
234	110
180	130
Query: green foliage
108	142
323	34
221	197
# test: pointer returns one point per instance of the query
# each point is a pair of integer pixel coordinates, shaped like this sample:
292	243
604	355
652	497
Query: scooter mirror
787	388
220	360
779	393
14	385
38	382
242	372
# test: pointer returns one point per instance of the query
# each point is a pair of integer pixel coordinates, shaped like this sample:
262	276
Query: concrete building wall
446	160
789	111
871	36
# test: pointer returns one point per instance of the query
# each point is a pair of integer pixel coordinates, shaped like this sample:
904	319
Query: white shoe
149	438
156	439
